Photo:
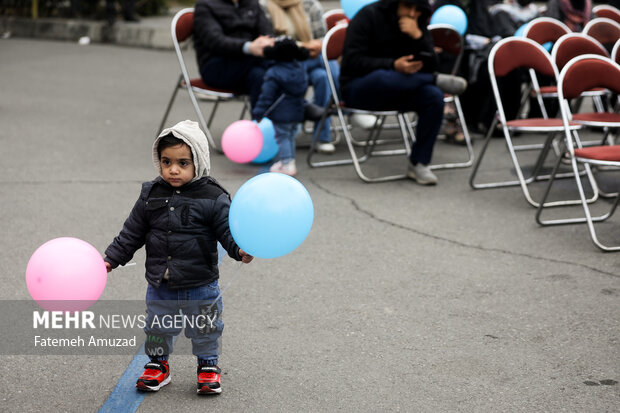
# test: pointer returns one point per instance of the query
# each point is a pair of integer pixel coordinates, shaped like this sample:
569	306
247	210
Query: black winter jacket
374	41
221	28
180	227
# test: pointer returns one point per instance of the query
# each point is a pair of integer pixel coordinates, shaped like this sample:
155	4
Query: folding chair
584	73
333	17
572	45
544	30
451	42
507	55
607	11
332	47
606	31
181	29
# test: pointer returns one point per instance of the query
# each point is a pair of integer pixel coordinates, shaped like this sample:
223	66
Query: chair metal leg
177	86
201	119
521	179
470	150
588	218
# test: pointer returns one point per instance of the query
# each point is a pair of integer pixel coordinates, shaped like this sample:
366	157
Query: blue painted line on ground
125	397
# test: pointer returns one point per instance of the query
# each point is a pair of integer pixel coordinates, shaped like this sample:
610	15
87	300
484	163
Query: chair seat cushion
538	124
549	90
598	117
600	153
553	91
197	82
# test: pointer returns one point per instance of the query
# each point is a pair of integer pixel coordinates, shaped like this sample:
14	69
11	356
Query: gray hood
189	132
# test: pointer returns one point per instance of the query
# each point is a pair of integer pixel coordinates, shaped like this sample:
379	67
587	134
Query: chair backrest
331	48
583	73
607	11
575	44
545	29
332	17
615	52
513	53
587	72
604	30
182	26
449	40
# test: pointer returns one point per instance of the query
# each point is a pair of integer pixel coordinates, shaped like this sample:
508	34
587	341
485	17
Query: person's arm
208	28
131	238
267	97
219	222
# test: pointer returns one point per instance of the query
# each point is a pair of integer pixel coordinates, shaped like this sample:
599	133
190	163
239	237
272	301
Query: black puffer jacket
221	27
180	227
374	41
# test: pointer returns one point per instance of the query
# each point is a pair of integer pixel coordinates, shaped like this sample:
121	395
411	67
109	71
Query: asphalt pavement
402	297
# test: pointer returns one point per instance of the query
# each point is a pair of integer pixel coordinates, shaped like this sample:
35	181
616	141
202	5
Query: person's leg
287	150
385	90
161	306
204	323
429	104
242	75
202	311
317	76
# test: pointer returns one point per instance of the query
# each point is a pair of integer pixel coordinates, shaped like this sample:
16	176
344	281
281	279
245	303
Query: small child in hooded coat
180	217
282	98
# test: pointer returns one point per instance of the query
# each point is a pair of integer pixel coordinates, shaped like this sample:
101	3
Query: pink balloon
66	274
242	141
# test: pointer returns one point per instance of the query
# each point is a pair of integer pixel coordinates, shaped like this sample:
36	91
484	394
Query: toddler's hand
108	266
245	257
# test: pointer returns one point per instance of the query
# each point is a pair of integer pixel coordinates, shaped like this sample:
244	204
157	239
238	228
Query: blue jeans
241	74
285	136
317	77
390	90
166	311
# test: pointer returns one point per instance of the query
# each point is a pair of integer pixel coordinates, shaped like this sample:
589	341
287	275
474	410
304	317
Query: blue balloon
270	145
452	15
351	7
270	215
521	30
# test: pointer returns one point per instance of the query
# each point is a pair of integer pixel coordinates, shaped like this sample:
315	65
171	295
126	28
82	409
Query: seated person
303	21
388	63
229	38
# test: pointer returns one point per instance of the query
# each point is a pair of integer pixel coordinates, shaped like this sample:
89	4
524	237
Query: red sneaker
156	375
209	380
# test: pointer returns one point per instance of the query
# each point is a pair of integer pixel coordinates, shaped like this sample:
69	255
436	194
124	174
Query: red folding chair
570	46
181	29
451	42
607	11
585	73
333	17
543	30
507	55
606	31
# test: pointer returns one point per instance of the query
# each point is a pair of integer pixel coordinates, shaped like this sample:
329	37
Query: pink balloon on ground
242	141
66	274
